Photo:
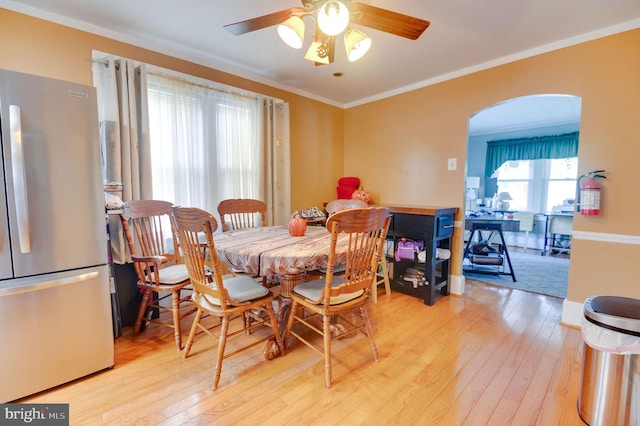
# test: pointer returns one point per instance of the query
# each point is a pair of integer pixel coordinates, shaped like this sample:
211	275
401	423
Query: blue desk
506	225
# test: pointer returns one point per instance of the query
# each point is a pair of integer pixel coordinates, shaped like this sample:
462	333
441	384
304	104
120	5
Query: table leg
283	317
289	281
287	284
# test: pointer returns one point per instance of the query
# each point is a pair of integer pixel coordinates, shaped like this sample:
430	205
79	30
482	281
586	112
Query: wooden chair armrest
148	268
158	260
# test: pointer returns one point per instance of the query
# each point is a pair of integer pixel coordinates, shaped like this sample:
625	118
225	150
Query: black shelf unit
434	226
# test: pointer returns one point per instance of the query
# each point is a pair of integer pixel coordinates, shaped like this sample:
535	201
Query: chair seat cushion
312	290
337	269
240	289
174	274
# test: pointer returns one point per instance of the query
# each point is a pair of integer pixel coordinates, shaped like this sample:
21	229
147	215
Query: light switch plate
452	164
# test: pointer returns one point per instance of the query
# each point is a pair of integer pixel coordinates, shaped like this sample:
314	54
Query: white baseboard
572	313
457	285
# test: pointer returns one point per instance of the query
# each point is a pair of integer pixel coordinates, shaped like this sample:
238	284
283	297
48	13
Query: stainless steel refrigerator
55	314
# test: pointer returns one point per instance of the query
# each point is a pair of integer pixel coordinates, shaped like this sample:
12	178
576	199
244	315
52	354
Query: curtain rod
176	75
191	80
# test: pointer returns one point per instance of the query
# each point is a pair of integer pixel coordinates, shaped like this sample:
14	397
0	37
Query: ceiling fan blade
388	21
261	22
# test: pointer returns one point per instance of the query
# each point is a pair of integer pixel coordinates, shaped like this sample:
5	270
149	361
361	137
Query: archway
534	183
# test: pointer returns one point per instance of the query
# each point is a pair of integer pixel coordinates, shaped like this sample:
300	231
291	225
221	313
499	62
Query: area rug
534	273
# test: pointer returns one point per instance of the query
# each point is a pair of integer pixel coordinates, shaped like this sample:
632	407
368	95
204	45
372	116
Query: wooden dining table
271	251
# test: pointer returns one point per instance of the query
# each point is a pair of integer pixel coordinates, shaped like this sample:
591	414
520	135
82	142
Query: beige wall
409	138
399	146
40	47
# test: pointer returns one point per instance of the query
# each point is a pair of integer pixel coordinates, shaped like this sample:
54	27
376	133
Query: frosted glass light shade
357	44
333	18
316	53
291	31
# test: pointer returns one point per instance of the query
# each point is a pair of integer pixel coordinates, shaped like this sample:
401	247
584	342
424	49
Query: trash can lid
615	313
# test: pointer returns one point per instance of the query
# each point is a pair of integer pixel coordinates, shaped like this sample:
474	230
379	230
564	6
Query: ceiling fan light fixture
291	31
318	53
357	44
333	18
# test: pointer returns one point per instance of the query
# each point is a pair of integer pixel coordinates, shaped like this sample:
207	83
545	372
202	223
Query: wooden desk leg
506	254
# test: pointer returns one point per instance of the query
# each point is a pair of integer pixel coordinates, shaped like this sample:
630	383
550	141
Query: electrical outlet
452	164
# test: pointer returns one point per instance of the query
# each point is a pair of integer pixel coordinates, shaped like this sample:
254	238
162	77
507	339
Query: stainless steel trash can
609	387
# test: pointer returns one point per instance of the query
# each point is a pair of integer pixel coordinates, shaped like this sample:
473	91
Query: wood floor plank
564	384
453	403
428	349
516	346
491	356
538	384
515	391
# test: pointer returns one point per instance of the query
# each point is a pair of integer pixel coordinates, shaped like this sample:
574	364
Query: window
190	141
205	144
538	185
562	181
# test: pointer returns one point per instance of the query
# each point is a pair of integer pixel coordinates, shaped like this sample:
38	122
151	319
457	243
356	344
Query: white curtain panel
190	141
206	143
122	105
213	142
277	180
124	132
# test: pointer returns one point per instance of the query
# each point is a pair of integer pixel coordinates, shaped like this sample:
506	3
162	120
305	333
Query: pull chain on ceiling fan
333	18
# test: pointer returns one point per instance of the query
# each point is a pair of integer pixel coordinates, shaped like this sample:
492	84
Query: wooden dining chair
526	224
156	259
338	205
240	213
228	298
336	305
382	272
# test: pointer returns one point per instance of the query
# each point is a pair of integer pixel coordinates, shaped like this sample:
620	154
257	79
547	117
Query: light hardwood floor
494	356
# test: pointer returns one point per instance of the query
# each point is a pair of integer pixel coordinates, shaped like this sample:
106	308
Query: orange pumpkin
297	226
361	194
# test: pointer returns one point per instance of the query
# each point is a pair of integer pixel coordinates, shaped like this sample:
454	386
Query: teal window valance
539	147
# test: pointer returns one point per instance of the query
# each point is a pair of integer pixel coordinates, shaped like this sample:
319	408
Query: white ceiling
536	111
464	37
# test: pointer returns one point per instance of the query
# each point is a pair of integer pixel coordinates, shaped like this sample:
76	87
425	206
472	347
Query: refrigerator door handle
19	179
55	282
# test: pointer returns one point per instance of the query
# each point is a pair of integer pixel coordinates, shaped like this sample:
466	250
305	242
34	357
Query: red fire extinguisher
589	193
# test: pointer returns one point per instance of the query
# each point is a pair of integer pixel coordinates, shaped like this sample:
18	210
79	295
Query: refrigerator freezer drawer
54	330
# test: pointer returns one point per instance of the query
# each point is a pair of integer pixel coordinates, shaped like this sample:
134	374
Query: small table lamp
473	183
502	201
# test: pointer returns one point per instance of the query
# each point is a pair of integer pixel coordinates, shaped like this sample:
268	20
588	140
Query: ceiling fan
332	18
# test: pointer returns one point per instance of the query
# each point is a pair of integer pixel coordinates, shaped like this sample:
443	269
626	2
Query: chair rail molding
606	238
572	312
